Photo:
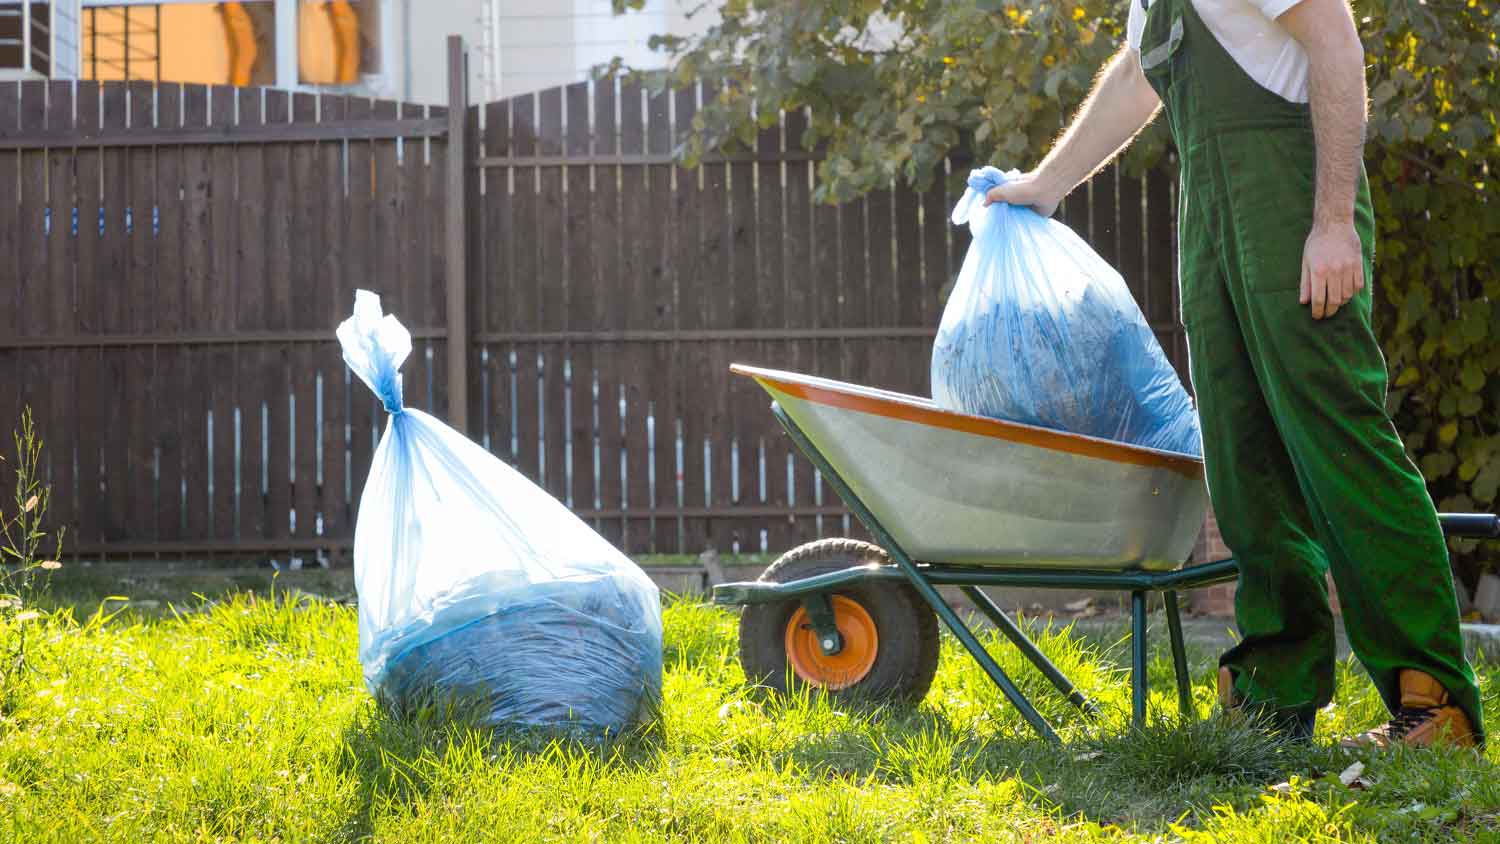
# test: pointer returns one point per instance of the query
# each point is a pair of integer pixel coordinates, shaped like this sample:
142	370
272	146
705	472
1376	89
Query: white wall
543	44
424	28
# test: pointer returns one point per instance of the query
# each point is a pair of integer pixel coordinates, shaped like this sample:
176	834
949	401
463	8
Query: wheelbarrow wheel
890	647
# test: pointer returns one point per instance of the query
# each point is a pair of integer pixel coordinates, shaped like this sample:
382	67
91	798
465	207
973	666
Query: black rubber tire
907	657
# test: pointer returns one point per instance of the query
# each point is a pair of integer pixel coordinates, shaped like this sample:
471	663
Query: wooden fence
183	254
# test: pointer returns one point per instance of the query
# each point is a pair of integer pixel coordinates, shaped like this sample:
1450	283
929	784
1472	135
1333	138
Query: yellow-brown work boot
1228	700
1424	719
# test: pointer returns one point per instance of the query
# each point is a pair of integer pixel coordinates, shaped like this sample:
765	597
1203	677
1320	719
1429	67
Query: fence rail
180	256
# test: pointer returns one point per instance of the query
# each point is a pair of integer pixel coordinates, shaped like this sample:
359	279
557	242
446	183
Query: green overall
1305	469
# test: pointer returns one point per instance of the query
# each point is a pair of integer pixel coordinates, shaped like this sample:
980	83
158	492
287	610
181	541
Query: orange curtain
239	30
346	41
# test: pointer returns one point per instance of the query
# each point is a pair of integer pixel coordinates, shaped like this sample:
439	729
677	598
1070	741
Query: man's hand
1333	268
1332	260
1027	190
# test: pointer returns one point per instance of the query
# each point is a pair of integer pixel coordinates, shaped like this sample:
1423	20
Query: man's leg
1324	382
1284	660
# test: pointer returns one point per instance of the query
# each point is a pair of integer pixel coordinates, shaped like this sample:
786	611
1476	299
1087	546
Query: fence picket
525	307
698	280
276	410
580	284
21	237
171	415
553	239
221	360
637	217
661	391
610	297
141	392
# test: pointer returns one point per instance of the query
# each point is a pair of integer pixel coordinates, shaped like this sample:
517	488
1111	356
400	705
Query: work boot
1229	700
1295	727
1424	719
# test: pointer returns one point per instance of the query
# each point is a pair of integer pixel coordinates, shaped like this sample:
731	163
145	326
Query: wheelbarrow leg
1179	657
918	581
1138	659
964	635
1029	649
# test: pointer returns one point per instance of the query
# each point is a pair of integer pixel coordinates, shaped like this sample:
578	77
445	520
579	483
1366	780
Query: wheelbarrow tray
967	490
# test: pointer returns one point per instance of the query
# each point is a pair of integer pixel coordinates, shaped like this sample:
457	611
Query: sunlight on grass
247	719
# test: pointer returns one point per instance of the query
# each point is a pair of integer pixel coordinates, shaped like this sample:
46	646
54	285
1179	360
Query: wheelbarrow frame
926	577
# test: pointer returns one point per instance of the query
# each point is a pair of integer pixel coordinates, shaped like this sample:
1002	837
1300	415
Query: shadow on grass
1146	778
398	755
153	592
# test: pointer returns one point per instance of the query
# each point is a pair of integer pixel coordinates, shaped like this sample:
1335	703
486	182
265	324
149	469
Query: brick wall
1218	599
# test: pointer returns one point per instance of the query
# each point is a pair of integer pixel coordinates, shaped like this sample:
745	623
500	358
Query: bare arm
1121	103
1332	259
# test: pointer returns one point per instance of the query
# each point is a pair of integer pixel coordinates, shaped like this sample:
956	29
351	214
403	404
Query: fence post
456	263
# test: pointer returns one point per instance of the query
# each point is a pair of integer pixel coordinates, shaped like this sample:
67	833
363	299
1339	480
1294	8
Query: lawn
245	719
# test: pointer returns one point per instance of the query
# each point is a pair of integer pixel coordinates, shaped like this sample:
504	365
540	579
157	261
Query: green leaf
1435	466
803	70
1475	328
1473	377
1055	78
1448	433
1383	93
1487	481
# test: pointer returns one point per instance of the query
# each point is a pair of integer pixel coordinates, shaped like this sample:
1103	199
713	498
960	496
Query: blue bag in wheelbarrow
1040	330
474	583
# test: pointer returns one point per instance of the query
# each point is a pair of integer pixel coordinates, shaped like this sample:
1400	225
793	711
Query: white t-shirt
1248	32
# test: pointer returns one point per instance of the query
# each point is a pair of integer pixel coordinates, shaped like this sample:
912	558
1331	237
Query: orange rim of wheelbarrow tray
848	666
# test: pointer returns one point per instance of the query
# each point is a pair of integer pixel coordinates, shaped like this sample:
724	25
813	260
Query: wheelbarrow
970	502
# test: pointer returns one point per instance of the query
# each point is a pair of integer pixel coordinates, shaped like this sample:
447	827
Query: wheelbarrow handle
1482	525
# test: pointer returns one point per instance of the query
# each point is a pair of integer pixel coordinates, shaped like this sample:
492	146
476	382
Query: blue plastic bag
474	583
1040	330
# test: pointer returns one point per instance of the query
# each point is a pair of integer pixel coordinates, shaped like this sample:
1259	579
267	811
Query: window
36	37
215	43
338	41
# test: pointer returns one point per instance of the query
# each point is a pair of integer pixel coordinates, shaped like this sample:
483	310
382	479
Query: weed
24	569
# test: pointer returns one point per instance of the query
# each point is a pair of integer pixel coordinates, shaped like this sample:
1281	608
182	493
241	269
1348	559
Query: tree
893	88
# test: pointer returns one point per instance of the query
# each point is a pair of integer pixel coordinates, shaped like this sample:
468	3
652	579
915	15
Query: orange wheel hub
848	666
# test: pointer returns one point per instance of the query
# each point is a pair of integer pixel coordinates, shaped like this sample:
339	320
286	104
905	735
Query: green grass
245	719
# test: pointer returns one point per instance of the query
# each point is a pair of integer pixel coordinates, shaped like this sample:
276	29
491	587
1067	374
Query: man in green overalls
1266	101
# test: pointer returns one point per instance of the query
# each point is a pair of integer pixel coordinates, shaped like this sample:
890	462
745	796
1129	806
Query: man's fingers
1304	293
998	193
1337	294
1319	295
1340	290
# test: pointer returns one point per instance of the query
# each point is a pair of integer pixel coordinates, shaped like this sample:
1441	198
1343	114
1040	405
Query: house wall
518	46
542	45
515	46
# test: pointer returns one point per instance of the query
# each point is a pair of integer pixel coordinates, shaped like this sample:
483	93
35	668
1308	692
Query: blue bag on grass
1040	330
475	583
